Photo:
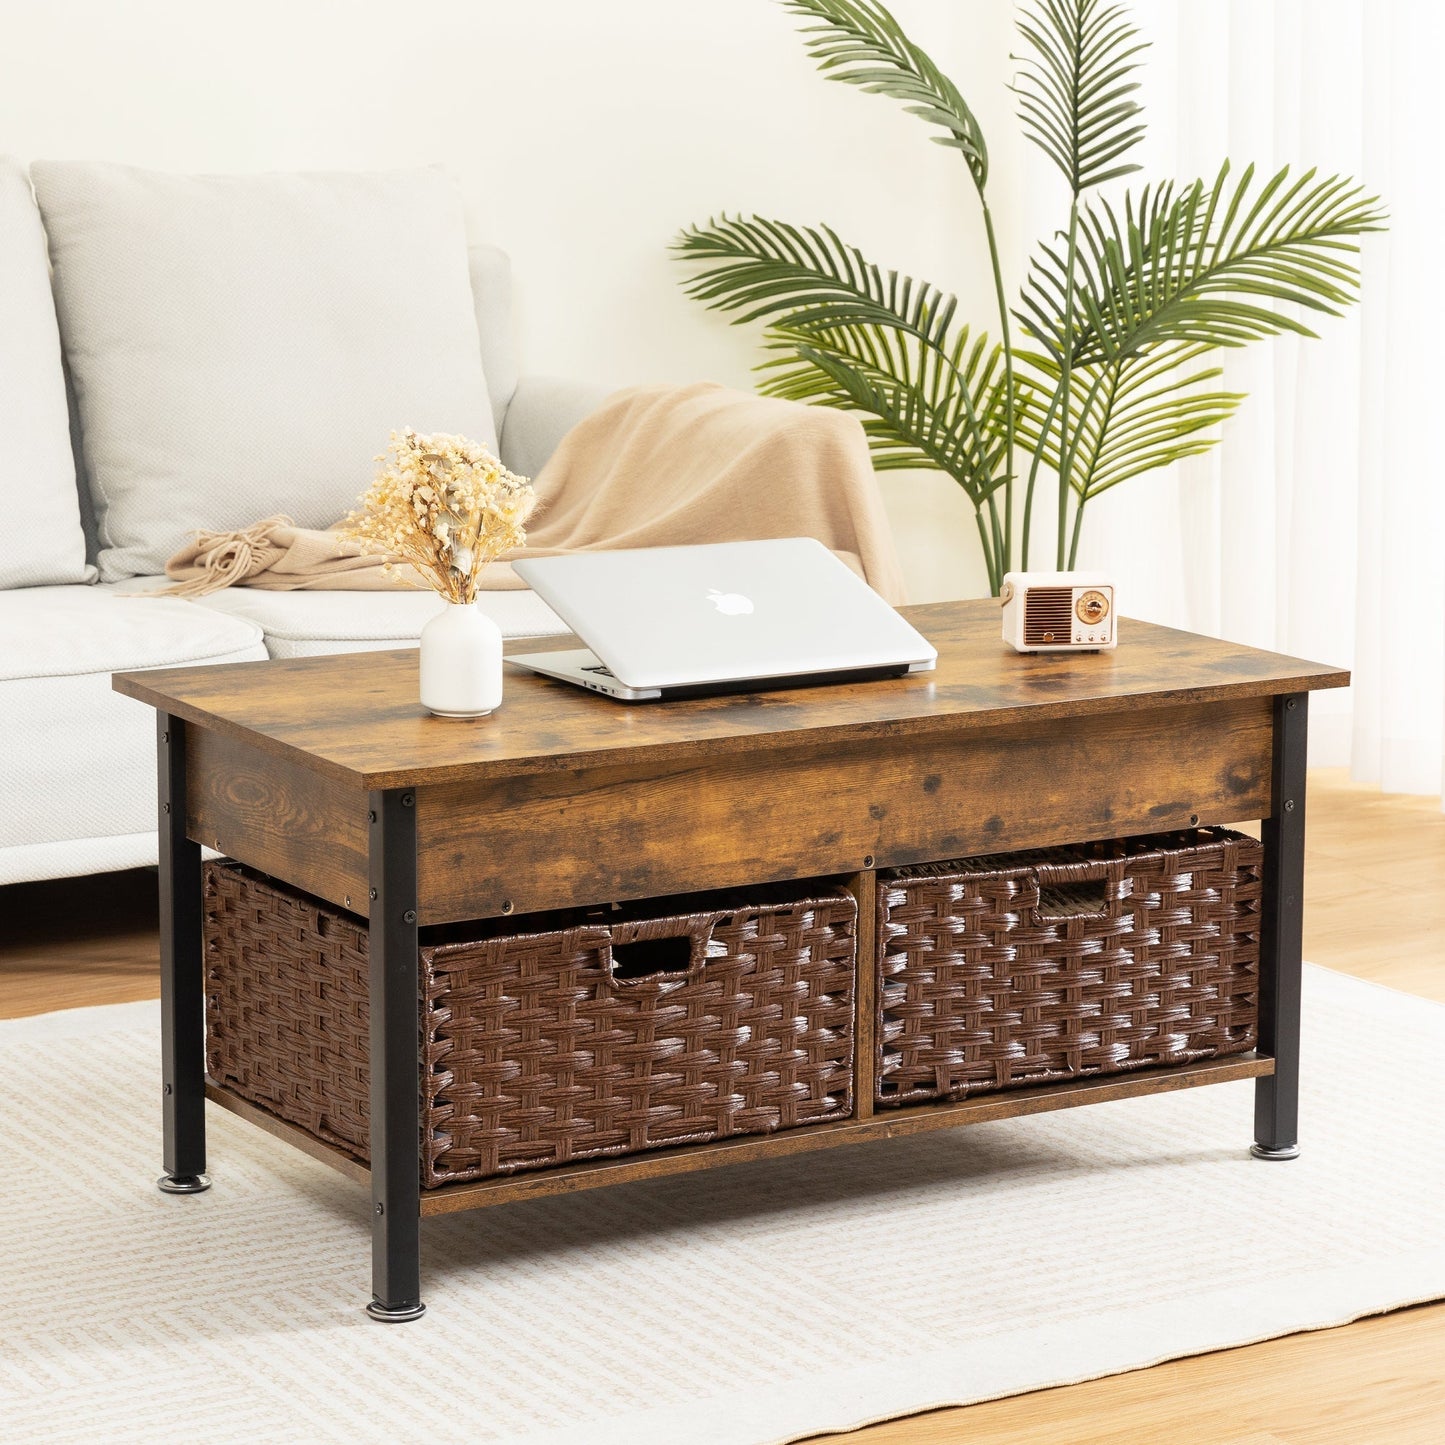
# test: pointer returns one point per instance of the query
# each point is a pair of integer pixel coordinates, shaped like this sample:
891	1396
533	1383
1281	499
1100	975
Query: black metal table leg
1276	1097
183	995
395	1061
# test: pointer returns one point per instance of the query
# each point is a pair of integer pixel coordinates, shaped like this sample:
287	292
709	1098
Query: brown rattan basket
565	1037
1028	968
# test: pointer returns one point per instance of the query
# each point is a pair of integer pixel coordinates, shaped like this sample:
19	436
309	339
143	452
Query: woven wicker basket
1023	969
572	1037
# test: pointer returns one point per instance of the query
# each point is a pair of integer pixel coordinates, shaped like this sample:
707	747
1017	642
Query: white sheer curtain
1318	526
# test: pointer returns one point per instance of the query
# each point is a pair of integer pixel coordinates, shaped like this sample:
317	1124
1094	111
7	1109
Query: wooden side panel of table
546	840
280	818
561	838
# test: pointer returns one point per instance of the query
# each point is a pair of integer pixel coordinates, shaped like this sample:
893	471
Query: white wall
584	136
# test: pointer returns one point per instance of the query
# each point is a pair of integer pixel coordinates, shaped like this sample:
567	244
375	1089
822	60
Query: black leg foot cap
1289	1151
386	1315
183	1183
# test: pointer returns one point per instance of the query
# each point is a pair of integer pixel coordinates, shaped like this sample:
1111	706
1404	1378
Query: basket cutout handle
1089	890
657	948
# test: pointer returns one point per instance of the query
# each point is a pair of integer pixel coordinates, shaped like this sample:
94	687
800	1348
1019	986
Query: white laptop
664	622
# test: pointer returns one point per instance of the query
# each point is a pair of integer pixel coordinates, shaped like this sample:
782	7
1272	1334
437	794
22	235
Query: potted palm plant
1100	371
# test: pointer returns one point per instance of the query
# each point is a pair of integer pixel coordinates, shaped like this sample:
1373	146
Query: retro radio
1058	612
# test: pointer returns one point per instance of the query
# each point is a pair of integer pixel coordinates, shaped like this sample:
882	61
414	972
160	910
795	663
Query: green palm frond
1075	91
1211	265
808	277
1129	416
859	43
854	334
923	406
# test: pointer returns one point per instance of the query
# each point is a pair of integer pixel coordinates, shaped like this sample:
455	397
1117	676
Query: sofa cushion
491	273
73	631
40	540
243	345
306	624
80	759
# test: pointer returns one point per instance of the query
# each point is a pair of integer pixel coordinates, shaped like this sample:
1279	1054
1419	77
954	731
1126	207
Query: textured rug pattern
752	1305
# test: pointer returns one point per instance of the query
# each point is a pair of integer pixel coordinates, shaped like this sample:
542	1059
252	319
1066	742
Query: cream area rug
750	1305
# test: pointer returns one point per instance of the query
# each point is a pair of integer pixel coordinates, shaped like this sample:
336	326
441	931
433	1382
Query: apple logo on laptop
730	604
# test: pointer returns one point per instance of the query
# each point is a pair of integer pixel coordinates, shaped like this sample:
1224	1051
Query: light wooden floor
1378	1382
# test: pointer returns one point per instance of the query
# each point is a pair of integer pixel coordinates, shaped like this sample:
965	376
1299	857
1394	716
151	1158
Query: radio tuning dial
1092	608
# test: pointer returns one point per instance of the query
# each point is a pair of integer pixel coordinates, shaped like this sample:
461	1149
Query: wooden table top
355	717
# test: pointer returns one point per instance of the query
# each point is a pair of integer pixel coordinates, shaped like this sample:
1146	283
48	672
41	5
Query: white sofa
77	776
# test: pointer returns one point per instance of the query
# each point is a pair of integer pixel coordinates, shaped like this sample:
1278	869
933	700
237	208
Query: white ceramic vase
461	662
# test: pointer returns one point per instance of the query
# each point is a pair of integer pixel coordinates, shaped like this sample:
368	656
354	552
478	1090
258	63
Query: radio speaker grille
1048	615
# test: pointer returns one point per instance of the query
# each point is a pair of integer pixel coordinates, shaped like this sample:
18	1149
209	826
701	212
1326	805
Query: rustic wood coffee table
325	773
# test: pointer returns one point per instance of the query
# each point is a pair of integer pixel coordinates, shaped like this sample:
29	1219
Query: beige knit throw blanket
652	466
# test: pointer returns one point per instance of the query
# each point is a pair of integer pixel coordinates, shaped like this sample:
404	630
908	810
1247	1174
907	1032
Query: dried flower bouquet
445	505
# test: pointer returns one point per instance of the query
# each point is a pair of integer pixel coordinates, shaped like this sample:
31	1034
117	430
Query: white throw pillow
41	542
243	345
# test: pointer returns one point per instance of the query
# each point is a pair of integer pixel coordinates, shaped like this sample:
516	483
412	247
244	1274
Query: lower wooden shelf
886	1124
